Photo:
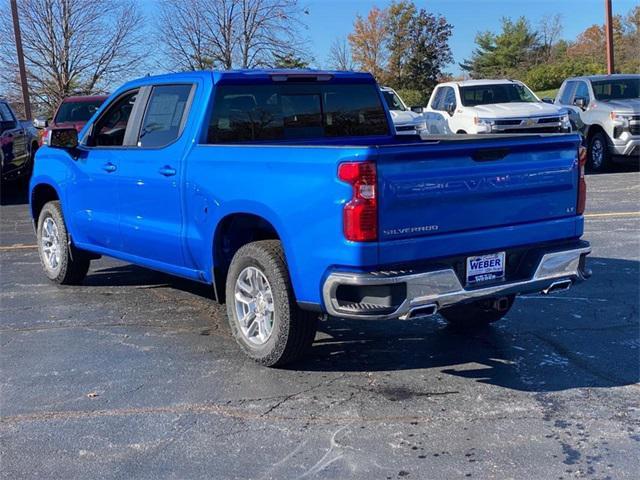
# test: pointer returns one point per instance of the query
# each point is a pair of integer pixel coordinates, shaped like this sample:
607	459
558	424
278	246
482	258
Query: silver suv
606	110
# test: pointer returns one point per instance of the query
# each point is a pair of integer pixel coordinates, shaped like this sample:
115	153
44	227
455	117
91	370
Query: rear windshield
249	113
621	89
498	93
76	111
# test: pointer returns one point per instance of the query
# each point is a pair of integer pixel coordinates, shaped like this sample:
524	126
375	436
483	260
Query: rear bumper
408	294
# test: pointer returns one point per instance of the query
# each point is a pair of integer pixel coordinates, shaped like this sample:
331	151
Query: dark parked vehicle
19	143
73	112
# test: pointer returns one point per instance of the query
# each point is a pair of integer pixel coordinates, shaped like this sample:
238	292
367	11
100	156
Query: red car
72	112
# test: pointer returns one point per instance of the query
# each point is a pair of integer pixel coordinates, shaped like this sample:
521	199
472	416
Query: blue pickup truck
289	193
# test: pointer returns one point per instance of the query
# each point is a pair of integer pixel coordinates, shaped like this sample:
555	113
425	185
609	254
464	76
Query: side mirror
450	108
417	109
547	100
40	123
66	138
580	102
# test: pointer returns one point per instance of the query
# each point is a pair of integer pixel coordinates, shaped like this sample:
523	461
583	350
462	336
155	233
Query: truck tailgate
449	186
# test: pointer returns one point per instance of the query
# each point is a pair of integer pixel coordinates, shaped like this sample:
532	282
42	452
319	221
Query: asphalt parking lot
134	375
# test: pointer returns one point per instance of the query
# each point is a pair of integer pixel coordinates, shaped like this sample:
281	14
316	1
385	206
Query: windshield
620	89
393	101
76	111
498	93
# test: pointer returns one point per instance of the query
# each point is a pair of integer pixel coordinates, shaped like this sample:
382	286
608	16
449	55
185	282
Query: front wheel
598	158
263	315
478	314
61	262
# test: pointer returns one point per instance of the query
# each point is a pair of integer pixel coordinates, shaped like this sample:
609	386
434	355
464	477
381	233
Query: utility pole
23	70
608	26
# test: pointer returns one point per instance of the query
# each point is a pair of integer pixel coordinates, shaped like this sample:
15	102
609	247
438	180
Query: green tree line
540	58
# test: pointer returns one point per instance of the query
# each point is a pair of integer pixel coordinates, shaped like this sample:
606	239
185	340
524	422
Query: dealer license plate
485	268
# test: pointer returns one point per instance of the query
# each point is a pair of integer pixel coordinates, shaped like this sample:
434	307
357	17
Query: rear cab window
164	116
293	111
616	89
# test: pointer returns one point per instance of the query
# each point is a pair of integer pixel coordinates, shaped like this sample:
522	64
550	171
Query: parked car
73	112
492	106
18	142
290	194
606	110
405	120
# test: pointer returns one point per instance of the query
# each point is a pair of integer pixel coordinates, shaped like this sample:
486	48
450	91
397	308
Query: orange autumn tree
368	43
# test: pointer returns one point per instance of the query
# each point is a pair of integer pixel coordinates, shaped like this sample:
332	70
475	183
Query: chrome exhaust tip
421	311
501	304
558	286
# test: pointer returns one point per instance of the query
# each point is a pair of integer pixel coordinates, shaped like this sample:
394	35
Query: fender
244	207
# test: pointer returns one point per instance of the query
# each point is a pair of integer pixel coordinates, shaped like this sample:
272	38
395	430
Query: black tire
478	314
293	329
461	132
73	264
598	153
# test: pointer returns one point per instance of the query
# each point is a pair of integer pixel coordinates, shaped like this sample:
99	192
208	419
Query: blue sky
329	19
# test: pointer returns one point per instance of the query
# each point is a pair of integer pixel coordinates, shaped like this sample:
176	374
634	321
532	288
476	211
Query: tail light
582	184
360	214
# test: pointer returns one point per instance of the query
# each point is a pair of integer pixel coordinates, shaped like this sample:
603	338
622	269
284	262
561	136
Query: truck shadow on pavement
586	337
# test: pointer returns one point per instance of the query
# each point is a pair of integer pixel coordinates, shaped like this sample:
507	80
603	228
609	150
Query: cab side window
567	93
110	128
163	118
449	102
436	103
6	117
582	91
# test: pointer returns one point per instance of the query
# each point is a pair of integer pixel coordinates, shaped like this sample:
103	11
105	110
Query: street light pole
609	36
23	70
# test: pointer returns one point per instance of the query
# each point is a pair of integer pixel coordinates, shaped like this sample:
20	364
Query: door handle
109	167
167	171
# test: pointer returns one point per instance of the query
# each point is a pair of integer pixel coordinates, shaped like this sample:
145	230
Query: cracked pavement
134	375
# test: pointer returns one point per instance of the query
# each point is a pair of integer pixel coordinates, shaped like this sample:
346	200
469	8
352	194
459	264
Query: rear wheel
598	153
478	314
61	262
263	315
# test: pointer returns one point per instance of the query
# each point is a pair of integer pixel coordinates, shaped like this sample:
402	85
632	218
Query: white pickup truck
605	109
407	121
492	106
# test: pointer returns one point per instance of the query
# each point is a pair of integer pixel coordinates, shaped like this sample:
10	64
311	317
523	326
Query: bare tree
268	28
183	33
199	34
340	55
72	46
549	30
